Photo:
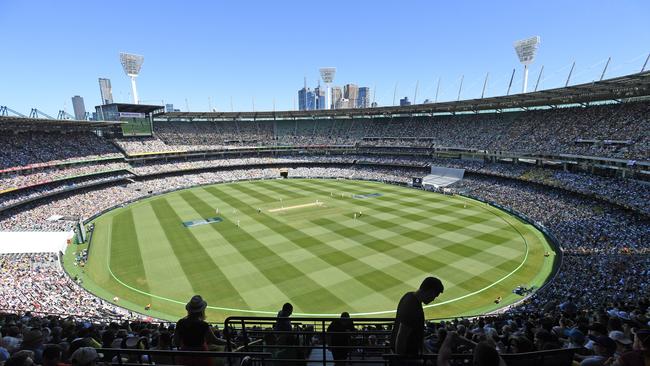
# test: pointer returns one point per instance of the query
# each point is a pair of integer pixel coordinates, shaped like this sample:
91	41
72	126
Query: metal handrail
257	357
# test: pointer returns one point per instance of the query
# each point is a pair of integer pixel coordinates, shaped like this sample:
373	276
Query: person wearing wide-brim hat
194	334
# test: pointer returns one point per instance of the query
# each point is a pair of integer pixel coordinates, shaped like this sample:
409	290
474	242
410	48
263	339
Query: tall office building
106	91
320	95
364	97
79	108
306	99
169	107
404	101
351	93
337	94
311	100
302	97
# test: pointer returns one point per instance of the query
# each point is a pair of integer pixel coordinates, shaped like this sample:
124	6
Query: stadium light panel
526	51
131	64
327	74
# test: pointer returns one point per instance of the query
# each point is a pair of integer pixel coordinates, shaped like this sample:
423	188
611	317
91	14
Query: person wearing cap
604	348
640	354
84	356
407	338
194	334
623	342
576	339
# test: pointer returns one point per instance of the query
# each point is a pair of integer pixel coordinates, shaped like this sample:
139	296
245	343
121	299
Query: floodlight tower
131	64
327	74
526	50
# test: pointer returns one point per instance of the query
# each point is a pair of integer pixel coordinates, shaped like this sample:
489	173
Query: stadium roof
134	108
617	89
18	123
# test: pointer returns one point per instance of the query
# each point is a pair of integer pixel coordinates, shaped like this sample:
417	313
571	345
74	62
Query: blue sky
216	50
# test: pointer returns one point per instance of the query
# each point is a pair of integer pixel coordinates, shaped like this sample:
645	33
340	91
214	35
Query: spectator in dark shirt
194	334
408	331
338	340
283	323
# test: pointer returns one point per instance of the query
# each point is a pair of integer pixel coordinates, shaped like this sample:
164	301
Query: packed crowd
14	197
36	281
38	176
618	130
612	330
581	225
37	148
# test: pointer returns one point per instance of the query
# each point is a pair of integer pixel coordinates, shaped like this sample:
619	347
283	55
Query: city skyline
200	63
344	96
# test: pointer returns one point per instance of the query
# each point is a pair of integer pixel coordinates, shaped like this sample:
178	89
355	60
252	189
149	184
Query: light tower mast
327	74
131	64
526	51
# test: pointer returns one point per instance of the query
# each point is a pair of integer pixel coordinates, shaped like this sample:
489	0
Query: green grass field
315	255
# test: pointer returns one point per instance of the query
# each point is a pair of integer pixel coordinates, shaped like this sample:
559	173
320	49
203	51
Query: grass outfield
315	255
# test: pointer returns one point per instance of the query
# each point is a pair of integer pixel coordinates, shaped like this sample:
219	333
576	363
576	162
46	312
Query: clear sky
217	50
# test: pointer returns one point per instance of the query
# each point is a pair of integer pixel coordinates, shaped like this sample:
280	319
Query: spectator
640	354
194	334
604	348
338	340
84	356
408	331
283	323
52	355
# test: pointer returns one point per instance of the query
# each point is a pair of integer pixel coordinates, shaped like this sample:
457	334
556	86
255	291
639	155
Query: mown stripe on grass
202	272
256	193
431	217
364	273
164	274
462	250
422	263
289	279
261	187
279	186
125	251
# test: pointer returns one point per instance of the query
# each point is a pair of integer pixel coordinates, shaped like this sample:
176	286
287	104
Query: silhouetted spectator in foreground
338	340
283	323
407	338
194	334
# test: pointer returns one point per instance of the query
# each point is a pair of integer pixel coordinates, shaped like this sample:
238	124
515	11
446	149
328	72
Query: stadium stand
598	209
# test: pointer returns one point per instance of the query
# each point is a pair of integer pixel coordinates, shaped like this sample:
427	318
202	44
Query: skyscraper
321	99
364	97
337	94
106	91
302	97
79	108
351	92
310	101
306	99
